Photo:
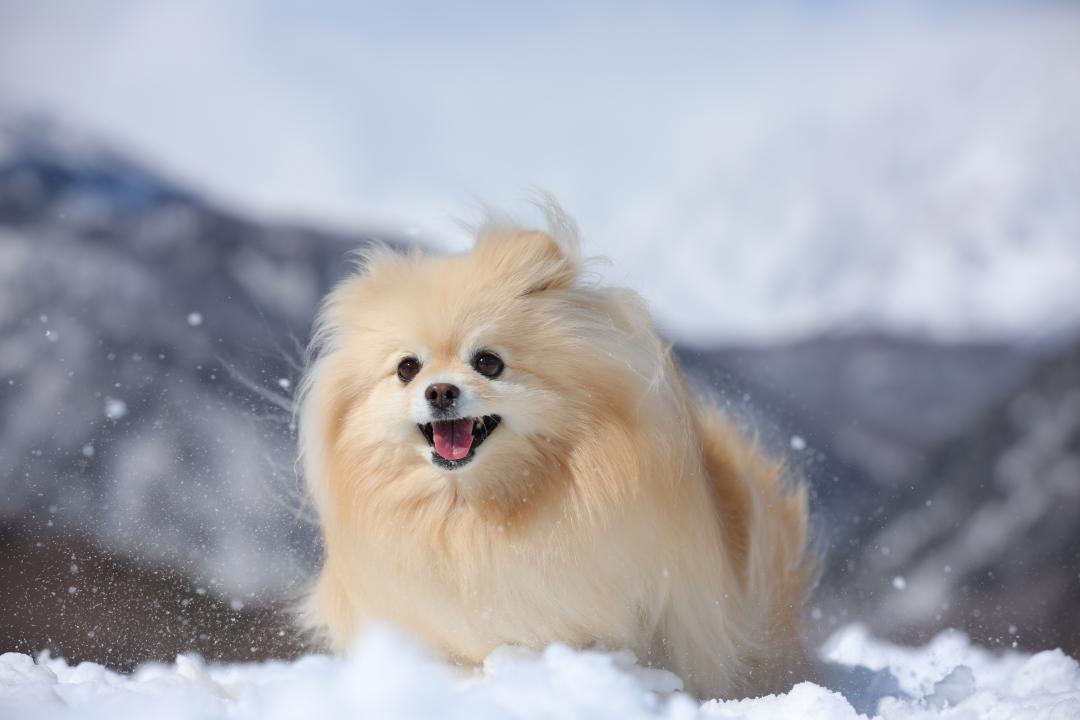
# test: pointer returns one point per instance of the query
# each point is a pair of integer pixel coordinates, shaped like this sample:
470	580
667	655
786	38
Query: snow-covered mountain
980	534
761	172
134	316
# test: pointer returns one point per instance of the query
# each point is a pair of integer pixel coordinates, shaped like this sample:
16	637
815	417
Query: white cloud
757	173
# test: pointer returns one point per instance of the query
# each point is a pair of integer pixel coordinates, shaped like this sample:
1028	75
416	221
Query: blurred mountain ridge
50	167
129	308
981	533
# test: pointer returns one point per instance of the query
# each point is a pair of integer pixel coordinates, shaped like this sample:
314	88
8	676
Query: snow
115	408
387	675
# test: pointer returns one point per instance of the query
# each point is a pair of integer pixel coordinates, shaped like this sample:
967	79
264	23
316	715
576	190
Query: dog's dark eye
408	368
488	364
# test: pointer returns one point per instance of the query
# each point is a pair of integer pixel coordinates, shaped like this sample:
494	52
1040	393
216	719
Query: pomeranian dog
502	451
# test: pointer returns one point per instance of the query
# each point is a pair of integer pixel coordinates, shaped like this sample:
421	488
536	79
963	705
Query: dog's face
461	381
484	373
449	411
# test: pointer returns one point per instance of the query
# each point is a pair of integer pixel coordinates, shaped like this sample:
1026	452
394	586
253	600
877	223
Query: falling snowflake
115	408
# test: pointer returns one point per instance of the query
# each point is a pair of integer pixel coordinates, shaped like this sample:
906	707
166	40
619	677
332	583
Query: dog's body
604	508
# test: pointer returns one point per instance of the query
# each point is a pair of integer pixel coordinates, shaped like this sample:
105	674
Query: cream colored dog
501	452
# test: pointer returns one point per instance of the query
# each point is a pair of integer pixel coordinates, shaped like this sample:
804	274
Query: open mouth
454	442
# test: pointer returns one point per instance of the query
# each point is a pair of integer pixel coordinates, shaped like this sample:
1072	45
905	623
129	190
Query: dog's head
484	373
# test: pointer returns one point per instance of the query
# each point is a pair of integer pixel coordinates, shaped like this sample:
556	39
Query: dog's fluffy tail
764	514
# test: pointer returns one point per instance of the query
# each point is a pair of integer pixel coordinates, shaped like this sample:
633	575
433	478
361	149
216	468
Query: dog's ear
531	260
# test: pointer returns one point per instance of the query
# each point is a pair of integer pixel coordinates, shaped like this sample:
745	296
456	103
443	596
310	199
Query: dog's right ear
531	261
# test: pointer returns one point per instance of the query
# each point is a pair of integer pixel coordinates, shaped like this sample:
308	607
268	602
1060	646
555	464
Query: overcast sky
757	173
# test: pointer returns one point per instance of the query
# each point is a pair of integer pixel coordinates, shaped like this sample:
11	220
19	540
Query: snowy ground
389	677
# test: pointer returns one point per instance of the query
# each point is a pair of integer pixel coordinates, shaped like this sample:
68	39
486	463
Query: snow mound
389	676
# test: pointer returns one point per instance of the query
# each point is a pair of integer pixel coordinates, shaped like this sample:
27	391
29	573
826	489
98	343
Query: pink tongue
453	438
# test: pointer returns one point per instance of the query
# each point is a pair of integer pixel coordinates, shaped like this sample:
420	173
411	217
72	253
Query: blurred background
858	223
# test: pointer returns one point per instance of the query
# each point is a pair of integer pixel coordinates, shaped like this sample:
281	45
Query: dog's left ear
531	260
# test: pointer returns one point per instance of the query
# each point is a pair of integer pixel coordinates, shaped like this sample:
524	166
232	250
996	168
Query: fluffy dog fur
608	508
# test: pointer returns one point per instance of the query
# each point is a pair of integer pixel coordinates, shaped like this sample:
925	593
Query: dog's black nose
442	395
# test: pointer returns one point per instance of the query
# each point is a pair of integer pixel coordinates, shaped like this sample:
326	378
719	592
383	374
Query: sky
758	172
